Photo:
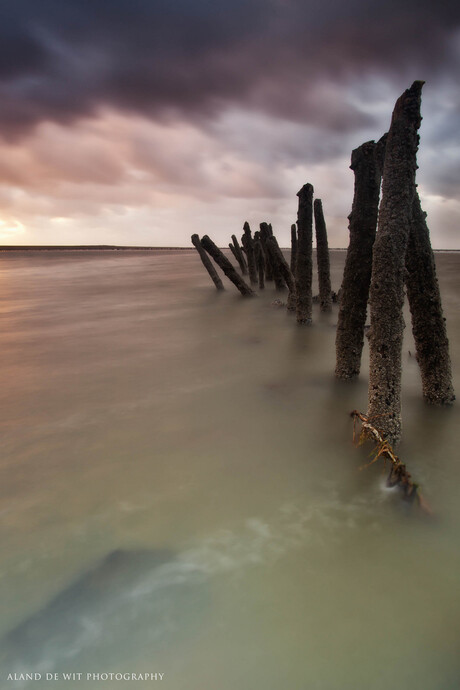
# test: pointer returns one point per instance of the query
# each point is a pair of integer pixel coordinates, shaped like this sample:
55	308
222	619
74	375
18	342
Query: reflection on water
204	438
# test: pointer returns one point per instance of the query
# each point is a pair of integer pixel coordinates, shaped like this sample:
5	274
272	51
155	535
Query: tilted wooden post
248	244
282	267
367	164
293	247
239	256
222	261
233	250
266	232
388	265
207	263
322	258
428	323
303	276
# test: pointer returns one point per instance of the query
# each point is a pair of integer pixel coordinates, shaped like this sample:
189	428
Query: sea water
143	411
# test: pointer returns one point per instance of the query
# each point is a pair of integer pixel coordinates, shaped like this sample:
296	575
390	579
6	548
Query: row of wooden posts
261	259
389	252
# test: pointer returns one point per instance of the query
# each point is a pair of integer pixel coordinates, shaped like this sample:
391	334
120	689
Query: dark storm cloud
63	59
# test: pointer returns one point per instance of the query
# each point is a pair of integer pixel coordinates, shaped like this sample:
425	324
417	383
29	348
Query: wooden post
260	260
248	244
303	276
293	247
222	261
239	256
388	265
282	267
367	164
264	234
428	323
232	249
322	259
207	263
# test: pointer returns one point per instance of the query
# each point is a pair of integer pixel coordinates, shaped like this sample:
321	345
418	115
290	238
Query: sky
140	122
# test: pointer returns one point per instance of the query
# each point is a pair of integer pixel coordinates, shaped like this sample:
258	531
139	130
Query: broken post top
318	204
306	190
246	227
403	139
305	203
407	107
362	154
265	231
369	153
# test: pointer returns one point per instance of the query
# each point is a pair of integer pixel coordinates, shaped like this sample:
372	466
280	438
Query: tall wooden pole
322	258
248	244
428	323
303	277
388	265
367	164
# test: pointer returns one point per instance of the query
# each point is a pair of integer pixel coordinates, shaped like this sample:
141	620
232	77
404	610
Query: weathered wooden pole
239	256
266	232
367	164
260	260
303	276
388	265
322	258
282	267
222	261
428	323
248	244
207	263
293	247
232	249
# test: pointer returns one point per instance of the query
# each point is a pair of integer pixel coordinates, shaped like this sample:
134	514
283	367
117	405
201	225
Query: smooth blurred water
142	410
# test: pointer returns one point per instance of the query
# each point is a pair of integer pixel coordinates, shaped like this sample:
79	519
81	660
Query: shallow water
140	409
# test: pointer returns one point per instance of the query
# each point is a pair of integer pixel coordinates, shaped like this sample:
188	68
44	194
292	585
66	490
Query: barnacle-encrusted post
303	276
322	258
428	323
388	264
367	165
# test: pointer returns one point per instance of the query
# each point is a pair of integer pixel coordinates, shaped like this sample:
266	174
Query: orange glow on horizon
10	228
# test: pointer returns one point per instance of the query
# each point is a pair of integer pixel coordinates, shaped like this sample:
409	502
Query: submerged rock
130	602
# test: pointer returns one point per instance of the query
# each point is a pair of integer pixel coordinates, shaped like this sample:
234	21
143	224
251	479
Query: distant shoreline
111	248
84	247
